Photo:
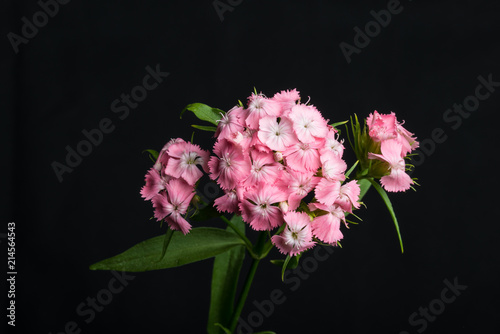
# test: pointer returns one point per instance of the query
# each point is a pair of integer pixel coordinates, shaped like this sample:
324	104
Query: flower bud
284	206
278	156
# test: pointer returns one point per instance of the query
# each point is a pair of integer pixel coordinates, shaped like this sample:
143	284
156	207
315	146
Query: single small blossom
297	235
276	135
260	207
326	226
263	170
333	167
297	185
228	203
259	107
230	124
173	203
332	144
308	123
303	157
184	158
287	99
154	184
382	127
397	180
349	196
230	166
327	191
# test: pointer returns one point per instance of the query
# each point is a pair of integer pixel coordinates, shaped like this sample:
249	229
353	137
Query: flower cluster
279	163
170	183
395	144
269	157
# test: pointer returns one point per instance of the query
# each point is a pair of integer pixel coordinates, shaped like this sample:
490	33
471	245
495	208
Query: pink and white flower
308	123
297	235
259	107
276	135
297	185
260	207
184	158
154	184
230	124
326	227
303	157
287	99
173	203
230	166
349	196
264	169
333	166
397	180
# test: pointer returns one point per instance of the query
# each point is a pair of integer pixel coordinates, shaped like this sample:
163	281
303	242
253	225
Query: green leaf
204	128
226	270
153	155
388	203
199	244
166	241
364	185
204	112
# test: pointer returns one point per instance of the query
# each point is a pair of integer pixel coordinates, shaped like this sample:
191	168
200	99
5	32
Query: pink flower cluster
170	183
395	144
269	157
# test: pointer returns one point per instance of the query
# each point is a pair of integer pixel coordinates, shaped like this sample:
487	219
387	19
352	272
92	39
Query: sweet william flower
349	196
297	185
276	135
333	167
228	203
397	180
326	227
308	123
327	191
381	127
303	157
184	158
287	99
264	169
332	144
230	166
154	184
259	107
231	123
173	203
259	208
297	235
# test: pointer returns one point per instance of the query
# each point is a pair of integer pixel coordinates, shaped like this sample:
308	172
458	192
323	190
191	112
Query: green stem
243	296
240	234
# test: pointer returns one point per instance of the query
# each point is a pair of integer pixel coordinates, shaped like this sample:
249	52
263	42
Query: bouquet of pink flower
279	163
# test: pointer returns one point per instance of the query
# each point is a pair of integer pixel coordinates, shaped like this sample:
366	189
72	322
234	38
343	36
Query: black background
64	81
